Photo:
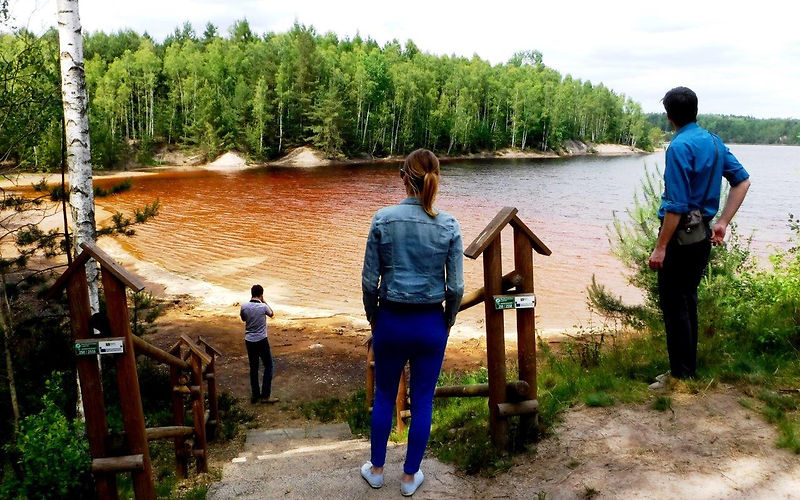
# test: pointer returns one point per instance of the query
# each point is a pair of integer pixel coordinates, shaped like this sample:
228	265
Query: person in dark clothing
254	313
696	162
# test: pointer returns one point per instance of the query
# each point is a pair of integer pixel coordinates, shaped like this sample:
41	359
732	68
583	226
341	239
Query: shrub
53	454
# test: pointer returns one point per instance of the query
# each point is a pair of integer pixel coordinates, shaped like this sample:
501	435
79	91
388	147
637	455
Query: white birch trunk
76	120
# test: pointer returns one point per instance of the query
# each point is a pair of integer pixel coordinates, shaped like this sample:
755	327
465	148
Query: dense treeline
265	94
741	129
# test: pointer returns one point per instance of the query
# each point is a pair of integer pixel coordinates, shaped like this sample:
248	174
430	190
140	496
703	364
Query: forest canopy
263	94
741	129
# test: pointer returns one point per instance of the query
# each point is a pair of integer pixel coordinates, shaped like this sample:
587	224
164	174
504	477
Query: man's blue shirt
413	258
696	161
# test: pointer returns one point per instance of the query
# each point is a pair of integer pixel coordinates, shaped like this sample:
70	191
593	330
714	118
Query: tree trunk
366	124
280	126
76	122
6	325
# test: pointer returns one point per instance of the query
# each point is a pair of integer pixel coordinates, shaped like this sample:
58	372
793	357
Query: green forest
740	129
265	94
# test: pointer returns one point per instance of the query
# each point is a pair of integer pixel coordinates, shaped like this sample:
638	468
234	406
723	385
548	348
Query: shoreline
214	300
307	157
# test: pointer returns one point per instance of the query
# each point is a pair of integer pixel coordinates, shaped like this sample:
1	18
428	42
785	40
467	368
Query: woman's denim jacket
413	258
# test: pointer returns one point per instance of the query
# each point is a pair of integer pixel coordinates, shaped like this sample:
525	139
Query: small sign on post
93	347
519	301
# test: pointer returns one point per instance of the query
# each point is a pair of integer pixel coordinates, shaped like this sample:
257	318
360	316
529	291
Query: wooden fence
191	365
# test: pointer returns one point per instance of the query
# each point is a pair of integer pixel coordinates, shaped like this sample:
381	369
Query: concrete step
323	462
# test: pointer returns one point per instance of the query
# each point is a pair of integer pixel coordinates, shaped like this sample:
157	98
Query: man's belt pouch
691	228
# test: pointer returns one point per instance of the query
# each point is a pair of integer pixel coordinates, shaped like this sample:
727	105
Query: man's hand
718	233
670	224
656	261
732	204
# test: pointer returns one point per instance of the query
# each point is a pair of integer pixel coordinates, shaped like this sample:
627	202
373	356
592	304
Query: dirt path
706	446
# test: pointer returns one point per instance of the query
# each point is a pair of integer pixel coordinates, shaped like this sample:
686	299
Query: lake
301	232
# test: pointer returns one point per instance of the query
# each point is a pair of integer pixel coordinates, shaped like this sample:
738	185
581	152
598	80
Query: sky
741	58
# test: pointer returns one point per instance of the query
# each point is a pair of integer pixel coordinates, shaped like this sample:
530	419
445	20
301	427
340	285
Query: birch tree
76	120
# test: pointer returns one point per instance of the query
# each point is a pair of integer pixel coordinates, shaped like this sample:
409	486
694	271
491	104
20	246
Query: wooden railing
190	363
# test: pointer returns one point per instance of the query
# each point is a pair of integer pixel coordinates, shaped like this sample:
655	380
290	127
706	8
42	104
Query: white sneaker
408	489
662	382
374	480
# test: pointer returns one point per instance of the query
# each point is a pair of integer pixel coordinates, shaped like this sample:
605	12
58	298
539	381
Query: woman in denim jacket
413	263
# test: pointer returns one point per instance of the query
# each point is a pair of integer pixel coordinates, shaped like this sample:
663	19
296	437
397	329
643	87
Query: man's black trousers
259	351
678	279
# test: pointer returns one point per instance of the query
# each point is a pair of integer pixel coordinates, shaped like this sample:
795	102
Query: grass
351	410
662	403
599	399
100	192
619	374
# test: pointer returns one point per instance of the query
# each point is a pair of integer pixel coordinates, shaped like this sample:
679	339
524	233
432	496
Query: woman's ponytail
422	176
429	189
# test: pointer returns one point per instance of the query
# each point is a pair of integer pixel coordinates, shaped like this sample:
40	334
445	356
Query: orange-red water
301	233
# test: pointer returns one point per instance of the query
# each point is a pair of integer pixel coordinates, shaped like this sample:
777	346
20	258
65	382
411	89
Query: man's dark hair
681	105
256	291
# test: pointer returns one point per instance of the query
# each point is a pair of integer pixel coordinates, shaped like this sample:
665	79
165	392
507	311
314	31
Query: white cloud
740	58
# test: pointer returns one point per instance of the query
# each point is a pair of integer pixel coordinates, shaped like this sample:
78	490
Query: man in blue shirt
696	161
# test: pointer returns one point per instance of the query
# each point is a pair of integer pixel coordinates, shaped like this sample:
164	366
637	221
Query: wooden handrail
168	432
536	243
195	349
63	280
110	265
144	347
515	389
204	343
125	463
490	232
475	297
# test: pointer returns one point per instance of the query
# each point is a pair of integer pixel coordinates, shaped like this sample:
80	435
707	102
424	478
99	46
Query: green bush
599	399
53	453
352	410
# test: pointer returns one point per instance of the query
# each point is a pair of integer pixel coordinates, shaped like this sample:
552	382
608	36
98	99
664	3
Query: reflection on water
301	233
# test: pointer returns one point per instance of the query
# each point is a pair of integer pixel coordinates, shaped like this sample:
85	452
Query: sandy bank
308	157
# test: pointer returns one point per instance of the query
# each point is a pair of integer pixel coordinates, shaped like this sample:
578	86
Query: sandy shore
307	157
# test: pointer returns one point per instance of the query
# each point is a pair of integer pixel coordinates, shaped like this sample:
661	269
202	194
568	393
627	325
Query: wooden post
370	375
495	342
198	414
211	377
526	323
128	383
212	391
401	402
94	408
178	417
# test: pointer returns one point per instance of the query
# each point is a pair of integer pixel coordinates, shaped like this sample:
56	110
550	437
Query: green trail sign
519	301
93	347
